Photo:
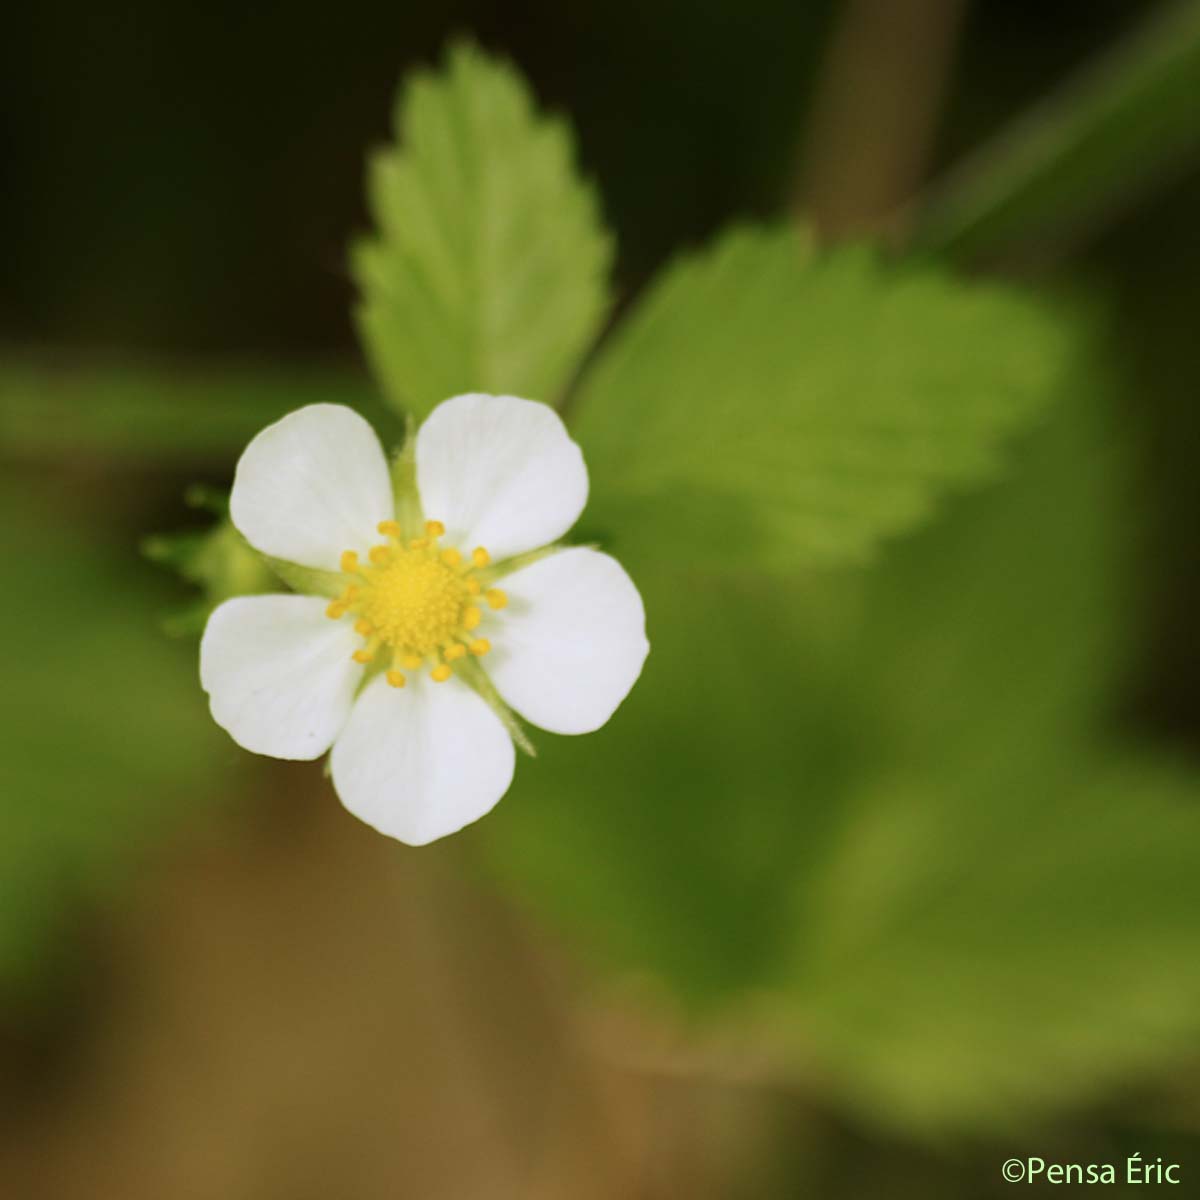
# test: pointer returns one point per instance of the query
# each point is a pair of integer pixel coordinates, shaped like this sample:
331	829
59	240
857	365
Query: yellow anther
413	598
441	673
480	557
396	679
495	598
480	646
337	608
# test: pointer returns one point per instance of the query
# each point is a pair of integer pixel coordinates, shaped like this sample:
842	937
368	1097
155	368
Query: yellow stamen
416	599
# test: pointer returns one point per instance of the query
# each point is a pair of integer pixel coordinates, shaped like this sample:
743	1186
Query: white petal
571	642
279	673
499	472
421	761
312	485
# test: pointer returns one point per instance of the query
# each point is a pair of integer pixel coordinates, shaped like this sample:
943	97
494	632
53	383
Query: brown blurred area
311	1011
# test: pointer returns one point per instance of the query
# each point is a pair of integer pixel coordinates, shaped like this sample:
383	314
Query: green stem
1114	132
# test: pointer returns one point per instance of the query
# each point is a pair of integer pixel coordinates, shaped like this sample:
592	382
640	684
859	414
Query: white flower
383	673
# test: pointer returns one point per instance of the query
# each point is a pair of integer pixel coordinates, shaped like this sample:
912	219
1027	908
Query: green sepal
498	570
475	677
210	499
405	495
308	581
217	560
186	621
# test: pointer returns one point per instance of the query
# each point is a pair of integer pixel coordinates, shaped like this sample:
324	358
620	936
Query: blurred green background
889	869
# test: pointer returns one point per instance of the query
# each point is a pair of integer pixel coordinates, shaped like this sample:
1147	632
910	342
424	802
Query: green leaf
1008	625
1002	924
685	835
668	841
488	270
1126	124
766	407
991	949
878	817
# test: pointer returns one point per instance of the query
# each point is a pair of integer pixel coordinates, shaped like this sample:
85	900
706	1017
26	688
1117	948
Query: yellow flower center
416	601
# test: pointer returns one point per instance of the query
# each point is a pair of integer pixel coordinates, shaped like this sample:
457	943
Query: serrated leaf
875	816
764	406
1005	923
1008	625
997	947
488	269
